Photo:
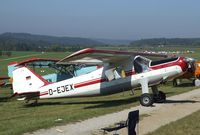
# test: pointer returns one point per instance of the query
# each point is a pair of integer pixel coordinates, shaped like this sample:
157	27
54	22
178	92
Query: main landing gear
148	99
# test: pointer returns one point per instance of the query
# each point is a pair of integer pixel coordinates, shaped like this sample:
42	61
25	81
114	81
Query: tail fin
25	80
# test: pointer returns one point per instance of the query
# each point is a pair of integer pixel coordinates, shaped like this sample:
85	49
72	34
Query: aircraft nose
183	64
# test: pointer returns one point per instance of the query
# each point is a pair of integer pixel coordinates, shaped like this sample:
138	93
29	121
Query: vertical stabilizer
25	80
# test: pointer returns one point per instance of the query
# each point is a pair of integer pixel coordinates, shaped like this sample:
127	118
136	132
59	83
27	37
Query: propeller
191	63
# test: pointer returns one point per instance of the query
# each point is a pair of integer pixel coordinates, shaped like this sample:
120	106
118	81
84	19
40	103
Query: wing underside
91	56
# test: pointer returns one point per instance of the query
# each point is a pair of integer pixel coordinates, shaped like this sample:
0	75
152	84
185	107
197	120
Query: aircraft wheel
146	99
160	97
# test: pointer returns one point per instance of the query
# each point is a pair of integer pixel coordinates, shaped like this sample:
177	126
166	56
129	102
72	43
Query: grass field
16	117
185	126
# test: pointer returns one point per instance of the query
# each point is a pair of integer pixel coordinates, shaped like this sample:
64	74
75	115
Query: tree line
167	42
30	42
33	47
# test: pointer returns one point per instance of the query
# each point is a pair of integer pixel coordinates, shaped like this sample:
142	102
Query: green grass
17	54
186	126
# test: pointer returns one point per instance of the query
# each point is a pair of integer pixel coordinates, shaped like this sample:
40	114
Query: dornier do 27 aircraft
93	72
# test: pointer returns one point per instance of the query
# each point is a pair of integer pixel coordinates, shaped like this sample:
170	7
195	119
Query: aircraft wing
90	56
38	62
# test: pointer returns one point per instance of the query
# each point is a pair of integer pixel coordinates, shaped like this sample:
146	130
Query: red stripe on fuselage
42	94
99	80
179	62
90	82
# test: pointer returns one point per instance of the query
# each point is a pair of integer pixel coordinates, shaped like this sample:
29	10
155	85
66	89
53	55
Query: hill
114	41
24	41
167	42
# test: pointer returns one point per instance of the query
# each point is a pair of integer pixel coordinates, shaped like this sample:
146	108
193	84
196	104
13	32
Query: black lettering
71	87
63	88
66	87
58	90
50	92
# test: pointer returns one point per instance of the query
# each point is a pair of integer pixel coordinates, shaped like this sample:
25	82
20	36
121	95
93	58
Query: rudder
25	80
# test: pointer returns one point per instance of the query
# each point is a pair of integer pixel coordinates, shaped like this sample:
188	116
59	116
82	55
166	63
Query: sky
109	19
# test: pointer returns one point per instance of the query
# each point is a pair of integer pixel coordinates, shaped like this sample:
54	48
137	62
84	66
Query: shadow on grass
180	101
185	85
90	104
94	104
4	99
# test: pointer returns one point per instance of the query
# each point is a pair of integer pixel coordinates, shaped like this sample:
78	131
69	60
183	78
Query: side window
141	64
110	74
113	74
84	70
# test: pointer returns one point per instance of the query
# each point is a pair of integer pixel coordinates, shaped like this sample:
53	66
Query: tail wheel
146	99
160	97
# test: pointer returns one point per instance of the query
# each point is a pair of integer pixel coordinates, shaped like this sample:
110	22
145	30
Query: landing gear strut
147	99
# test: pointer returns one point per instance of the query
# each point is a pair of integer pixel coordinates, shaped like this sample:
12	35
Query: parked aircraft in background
91	72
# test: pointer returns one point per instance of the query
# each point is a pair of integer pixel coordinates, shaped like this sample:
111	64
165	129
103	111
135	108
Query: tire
146	100
160	97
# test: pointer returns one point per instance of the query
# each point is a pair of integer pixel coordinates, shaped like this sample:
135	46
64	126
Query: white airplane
99	72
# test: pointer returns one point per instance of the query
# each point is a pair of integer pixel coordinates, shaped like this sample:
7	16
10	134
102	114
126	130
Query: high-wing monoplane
91	72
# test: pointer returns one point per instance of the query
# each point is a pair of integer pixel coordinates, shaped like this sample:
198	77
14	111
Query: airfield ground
176	107
16	117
